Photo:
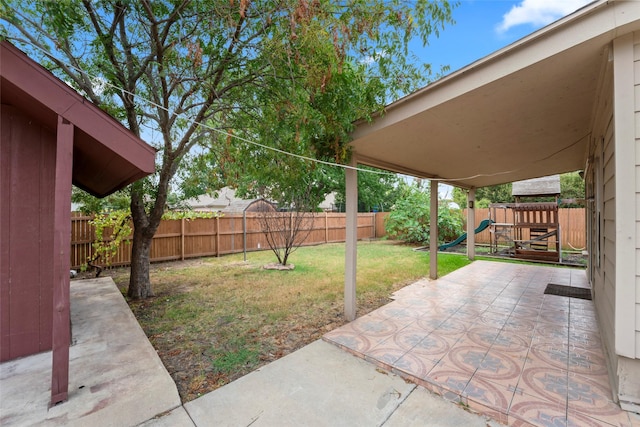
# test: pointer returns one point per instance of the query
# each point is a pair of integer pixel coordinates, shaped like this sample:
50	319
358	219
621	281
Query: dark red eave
106	155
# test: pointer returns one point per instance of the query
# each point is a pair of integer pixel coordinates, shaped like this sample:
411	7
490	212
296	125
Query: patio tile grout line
568	353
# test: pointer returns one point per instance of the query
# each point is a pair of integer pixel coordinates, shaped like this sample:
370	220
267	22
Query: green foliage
459	196
375	190
484	196
89	204
225	309
409	217
450	223
572	187
112	229
188	215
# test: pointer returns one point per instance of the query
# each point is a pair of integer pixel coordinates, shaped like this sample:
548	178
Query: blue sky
484	26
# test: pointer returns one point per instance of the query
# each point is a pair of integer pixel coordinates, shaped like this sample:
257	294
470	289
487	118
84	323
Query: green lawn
216	319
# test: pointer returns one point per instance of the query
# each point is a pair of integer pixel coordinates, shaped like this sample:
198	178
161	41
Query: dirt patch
279	267
192	370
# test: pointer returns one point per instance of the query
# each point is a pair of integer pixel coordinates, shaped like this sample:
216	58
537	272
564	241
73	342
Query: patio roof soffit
522	112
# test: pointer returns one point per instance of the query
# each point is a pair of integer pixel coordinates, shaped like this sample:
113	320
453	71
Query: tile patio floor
487	336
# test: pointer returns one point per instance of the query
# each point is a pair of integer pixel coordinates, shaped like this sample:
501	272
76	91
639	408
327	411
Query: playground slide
483	226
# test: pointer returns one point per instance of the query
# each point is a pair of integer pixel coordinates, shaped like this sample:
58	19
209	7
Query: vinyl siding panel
600	189
600	193
623	167
635	194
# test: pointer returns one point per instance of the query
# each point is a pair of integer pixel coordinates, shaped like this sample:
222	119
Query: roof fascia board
64	101
111	133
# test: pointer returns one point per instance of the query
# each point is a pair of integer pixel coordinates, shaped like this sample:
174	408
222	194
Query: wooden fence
572	226
183	238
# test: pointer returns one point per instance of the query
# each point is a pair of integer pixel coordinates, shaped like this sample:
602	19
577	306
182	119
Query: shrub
450	224
409	218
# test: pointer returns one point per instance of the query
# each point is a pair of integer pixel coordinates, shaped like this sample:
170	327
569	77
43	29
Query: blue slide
483	226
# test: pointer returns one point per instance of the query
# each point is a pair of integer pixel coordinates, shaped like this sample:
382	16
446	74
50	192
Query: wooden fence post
218	236
181	239
373	218
326	227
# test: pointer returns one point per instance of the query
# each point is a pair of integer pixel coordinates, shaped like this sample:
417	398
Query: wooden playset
530	230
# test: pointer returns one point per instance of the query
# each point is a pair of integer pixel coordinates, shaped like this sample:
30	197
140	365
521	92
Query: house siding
600	192
608	236
27	151
621	190
634	199
627	173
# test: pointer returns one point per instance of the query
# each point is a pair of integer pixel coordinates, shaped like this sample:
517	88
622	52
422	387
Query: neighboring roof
106	156
255	205
224	198
522	112
328	203
545	186
227	201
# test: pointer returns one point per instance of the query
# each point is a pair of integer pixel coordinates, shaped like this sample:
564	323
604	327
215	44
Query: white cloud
375	57
538	13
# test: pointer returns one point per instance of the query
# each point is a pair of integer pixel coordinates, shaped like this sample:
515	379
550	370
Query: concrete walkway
321	385
115	376
117	379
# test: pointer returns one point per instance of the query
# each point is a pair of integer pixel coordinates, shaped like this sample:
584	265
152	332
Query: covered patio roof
522	112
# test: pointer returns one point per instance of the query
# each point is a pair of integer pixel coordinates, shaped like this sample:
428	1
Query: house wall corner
629	384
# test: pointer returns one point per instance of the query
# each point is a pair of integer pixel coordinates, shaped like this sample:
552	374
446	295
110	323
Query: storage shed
50	137
537	187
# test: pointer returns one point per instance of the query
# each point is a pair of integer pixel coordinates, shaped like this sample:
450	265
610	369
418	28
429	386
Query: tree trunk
139	280
144	227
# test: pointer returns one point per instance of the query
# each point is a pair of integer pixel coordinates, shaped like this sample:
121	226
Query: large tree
165	68
377	189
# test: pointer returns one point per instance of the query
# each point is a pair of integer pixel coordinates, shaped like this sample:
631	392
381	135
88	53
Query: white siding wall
635	196
622	186
613	188
608	236
621	196
601	240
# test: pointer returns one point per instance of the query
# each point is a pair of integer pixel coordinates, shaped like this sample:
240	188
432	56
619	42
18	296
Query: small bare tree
287	228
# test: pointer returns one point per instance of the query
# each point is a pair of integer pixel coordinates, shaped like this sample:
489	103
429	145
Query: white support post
471	224
351	242
433	231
